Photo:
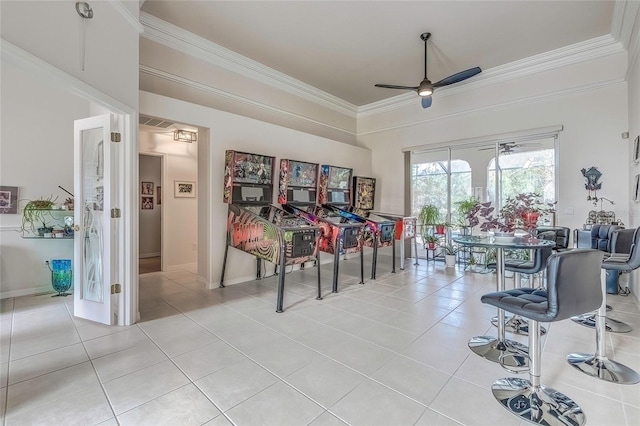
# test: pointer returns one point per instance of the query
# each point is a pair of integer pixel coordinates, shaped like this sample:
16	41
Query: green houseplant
429	216
463	208
35	215
430	241
450	251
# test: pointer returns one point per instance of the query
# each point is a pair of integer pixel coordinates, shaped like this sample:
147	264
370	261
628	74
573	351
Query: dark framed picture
636	196
184	189
147	203
8	200
636	150
147	188
158	195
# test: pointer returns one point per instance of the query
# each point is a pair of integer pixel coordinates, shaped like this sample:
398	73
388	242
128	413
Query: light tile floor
390	352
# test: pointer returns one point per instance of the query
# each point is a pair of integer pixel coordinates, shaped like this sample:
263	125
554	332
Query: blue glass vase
61	276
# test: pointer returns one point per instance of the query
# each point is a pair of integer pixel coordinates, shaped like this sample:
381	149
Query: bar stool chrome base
511	355
614	326
603	368
516	325
541	405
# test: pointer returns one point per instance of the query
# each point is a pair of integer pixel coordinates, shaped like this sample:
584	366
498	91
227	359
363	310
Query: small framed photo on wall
636	150
158	195
184	189
8	200
147	203
636	196
147	188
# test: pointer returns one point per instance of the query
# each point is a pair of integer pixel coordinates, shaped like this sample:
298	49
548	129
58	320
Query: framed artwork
147	203
159	195
8	200
636	197
147	188
184	189
636	150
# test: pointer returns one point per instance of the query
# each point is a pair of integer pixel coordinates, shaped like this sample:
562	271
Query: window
528	171
429	184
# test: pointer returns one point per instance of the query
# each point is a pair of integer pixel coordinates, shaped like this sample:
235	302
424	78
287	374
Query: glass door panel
94	239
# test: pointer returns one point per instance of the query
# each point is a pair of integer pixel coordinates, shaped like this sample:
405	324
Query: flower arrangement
523	210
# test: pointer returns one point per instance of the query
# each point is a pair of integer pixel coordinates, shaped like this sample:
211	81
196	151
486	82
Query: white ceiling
345	47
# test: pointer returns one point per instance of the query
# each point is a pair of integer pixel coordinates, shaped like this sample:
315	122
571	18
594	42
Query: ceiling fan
509	147
426	88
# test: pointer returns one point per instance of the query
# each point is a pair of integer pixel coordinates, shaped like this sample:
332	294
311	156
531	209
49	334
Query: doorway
150	213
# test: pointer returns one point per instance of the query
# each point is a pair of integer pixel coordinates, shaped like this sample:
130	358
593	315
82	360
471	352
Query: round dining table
509	353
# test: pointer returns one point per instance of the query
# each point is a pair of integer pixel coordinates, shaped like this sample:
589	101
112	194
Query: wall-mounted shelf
61	222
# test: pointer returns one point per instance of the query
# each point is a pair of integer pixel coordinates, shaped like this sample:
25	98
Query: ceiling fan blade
455	78
426	101
391	86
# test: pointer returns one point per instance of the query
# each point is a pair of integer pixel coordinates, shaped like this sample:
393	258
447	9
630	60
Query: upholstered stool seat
531	267
573	286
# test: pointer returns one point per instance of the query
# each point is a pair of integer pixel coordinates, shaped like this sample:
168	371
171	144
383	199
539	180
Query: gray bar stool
515	324
573	287
598	364
621	242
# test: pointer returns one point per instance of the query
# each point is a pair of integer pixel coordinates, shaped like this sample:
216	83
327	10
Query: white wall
51	30
42	84
179	214
594	114
149	233
36	147
230	131
634	131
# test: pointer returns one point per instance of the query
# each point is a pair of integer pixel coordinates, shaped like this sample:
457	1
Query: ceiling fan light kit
426	88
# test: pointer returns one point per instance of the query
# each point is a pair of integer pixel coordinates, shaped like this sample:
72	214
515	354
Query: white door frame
128	117
163	169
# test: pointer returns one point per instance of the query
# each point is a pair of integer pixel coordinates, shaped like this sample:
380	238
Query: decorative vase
61	276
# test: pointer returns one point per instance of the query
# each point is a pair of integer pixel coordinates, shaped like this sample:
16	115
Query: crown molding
174	37
127	15
232	96
630	31
569	55
507	104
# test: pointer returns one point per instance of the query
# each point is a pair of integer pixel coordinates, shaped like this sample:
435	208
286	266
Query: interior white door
96	218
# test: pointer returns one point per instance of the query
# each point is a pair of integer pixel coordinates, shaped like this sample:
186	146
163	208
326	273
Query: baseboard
147	255
180	267
27	292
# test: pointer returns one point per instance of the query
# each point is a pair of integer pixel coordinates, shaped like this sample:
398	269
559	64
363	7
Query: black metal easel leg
224	262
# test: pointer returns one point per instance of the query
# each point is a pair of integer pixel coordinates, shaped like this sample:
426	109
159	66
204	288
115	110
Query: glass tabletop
504	242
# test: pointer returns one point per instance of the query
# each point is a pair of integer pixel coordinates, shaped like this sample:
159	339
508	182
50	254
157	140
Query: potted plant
430	242
462	210
450	254
525	209
36	213
429	216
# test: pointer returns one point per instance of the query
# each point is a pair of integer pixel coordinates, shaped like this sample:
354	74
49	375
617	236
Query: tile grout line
104	392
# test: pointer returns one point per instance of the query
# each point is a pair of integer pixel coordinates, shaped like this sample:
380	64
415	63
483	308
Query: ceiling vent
155	122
